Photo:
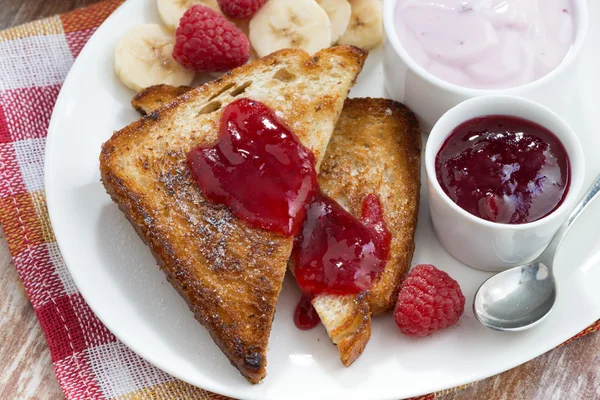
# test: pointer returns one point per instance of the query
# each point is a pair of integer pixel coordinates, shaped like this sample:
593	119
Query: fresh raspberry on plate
429	300
240	9
207	42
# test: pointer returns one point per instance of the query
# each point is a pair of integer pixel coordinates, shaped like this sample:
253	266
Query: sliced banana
143	58
171	11
339	12
366	24
281	24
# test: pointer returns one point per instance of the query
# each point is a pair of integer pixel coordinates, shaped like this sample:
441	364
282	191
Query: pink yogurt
487	44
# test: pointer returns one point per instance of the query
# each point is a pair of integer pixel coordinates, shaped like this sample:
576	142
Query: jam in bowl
504	169
503	173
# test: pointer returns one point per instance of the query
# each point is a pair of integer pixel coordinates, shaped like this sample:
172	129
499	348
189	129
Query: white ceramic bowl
430	97
488	245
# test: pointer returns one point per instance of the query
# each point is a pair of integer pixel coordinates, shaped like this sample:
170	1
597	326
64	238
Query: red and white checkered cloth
90	363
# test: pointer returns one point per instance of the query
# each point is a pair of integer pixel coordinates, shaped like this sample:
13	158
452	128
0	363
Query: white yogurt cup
429	97
489	245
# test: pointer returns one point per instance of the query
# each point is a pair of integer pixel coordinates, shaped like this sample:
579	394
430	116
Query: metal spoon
521	297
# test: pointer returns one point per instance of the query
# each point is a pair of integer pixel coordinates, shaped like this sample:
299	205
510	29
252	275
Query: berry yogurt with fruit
487	44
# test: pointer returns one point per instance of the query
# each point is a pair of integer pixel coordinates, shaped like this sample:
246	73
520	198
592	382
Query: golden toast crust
229	273
356	331
154	97
348	322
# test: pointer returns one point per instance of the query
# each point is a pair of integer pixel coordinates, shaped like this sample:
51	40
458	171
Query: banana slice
281	24
171	11
339	12
143	58
366	24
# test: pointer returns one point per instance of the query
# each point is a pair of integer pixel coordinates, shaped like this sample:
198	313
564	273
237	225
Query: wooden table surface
567	373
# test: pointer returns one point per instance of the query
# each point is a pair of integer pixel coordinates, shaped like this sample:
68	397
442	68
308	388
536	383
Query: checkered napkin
90	363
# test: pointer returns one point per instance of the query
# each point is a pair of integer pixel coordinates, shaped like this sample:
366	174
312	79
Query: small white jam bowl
430	97
488	245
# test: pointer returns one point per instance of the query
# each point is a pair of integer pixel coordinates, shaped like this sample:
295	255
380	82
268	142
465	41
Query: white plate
120	281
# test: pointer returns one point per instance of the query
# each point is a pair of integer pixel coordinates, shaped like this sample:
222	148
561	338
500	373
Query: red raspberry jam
305	316
504	169
336	253
258	168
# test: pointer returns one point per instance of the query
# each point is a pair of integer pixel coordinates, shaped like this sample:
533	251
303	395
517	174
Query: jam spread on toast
261	171
504	169
336	253
305	316
258	168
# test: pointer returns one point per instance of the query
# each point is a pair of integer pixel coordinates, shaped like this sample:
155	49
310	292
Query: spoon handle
592	193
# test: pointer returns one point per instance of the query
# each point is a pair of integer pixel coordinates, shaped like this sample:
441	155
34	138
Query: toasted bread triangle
375	148
229	273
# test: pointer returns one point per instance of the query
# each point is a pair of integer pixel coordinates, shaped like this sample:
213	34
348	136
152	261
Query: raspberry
207	42
429	300
240	9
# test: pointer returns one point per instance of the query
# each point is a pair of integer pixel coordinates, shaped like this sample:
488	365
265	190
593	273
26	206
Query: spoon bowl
516	299
522	297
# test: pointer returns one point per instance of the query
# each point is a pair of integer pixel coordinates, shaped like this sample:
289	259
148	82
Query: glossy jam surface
258	168
504	169
487	44
305	315
336	253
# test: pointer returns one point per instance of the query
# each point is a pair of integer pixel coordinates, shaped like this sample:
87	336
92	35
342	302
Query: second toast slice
375	149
